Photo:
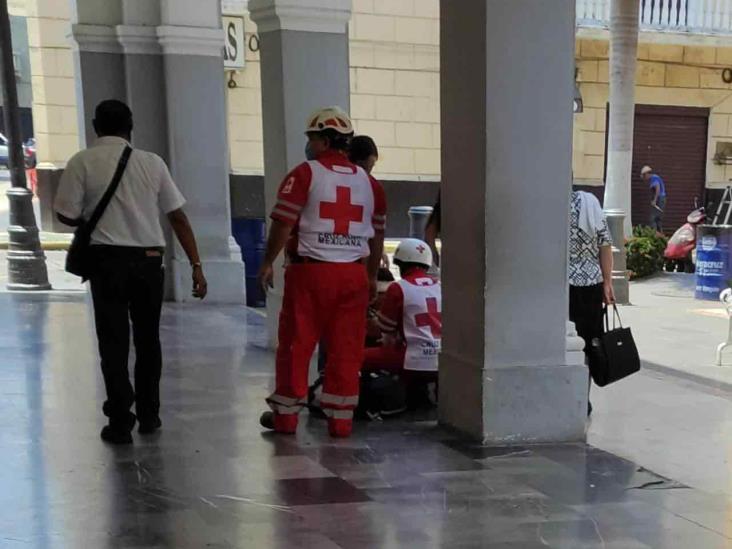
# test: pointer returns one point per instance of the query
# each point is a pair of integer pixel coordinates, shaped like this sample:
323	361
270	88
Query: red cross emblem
420	249
342	211
432	318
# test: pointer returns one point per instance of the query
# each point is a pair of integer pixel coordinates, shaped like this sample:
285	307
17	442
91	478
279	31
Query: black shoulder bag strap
90	225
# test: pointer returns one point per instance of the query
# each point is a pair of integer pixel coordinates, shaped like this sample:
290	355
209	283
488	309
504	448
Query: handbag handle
616	315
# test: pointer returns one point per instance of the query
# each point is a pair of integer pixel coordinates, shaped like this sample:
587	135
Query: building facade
684	66
683	101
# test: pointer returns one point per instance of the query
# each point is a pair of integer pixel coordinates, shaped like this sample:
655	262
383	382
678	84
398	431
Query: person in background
658	197
127	248
330	215
590	267
363	152
433	229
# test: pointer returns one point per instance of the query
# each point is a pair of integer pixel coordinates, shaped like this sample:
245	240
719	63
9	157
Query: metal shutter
673	141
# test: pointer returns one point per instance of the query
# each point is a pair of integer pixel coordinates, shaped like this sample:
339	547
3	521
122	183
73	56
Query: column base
522	404
225	281
621	287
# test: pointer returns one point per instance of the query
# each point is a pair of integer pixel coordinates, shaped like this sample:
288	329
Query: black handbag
613	356
78	260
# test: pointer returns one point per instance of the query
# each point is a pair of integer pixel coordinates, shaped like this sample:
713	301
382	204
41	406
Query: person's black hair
113	117
384	275
337	140
362	147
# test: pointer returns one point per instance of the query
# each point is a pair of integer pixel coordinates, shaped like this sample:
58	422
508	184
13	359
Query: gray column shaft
507	143
145	81
301	71
100	76
198	152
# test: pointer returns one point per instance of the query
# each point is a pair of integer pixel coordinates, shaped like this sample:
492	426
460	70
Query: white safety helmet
330	118
413	250
645	170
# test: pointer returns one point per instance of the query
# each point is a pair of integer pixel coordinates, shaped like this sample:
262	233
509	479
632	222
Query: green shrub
645	252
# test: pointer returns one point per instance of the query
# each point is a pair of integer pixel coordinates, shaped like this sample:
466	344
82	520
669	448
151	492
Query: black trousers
656	220
585	310
127	285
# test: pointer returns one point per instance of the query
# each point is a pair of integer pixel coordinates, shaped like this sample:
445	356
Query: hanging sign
234	45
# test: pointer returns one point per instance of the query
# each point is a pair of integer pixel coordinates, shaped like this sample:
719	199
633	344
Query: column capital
95	38
205	41
138	39
301	15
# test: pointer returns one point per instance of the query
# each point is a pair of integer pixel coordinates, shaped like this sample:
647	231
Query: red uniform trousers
389	358
328	301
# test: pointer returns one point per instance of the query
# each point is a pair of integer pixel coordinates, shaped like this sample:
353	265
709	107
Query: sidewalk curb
48	246
687	376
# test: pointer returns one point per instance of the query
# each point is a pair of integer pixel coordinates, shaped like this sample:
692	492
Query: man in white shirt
127	246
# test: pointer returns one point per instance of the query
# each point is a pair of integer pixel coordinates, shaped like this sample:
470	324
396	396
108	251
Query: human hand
266	276
373	290
608	293
200	285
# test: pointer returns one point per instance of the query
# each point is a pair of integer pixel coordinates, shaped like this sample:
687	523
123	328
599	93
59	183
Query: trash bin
419	216
713	266
250	234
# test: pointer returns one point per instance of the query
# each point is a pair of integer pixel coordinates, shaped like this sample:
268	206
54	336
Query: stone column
98	59
304	65
144	74
145	89
192	42
505	372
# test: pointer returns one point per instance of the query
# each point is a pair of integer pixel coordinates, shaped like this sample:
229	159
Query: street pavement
677	333
211	474
655	474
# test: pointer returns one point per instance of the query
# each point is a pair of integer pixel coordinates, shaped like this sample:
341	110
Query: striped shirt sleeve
293	195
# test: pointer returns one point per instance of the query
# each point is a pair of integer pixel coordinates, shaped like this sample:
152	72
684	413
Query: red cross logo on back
420	249
432	318
342	211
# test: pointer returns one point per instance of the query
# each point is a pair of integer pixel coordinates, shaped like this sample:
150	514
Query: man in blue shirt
658	197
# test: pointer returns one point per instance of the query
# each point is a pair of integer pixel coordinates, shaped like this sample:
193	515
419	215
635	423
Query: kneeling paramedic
410	318
331	216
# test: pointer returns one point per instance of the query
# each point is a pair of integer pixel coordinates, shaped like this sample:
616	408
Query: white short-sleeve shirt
133	215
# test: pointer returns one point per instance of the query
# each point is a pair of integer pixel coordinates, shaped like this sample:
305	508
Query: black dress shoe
115	436
266	420
149	426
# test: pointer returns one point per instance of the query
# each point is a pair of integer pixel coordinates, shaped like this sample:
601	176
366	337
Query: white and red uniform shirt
334	206
412	308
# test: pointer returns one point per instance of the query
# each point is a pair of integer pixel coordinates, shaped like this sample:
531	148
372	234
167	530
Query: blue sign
712	262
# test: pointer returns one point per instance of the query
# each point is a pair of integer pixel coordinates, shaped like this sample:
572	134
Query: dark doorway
673	141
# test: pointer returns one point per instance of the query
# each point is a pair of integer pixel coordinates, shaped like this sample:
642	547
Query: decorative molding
176	40
138	40
330	16
646	36
95	39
